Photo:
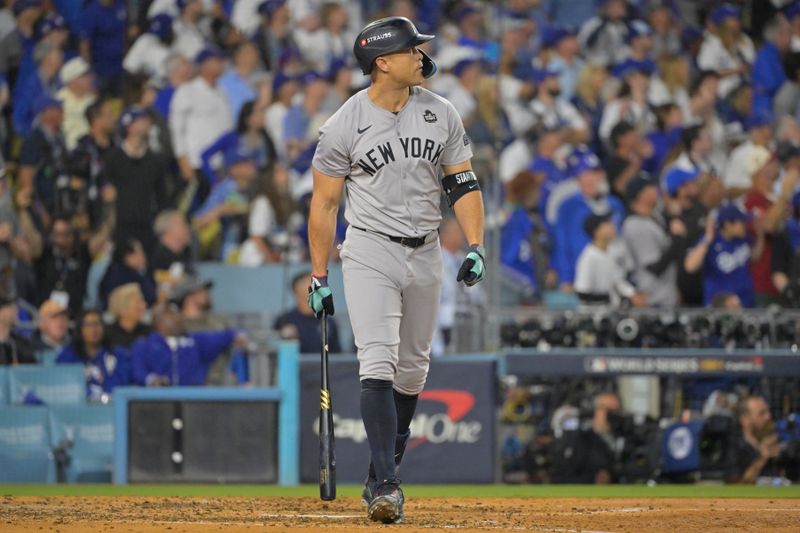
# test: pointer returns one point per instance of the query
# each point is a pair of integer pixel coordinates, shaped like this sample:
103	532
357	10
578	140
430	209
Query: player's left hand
472	269
320	297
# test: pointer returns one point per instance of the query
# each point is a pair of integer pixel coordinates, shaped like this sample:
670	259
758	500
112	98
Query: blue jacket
768	76
553	175
105	29
515	246
569	237
108	370
187	365
27	91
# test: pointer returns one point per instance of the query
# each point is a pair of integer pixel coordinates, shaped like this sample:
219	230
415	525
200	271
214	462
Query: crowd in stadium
648	151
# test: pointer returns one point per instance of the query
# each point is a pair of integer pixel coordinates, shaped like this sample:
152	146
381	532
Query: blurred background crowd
635	153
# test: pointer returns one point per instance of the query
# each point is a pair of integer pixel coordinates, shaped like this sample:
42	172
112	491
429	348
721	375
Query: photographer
757	444
588	455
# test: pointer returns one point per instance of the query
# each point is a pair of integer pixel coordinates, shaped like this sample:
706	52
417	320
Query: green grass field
427	491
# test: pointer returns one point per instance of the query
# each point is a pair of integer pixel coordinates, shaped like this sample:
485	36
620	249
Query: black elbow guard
458	184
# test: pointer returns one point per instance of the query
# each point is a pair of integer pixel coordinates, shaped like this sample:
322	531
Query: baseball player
386	146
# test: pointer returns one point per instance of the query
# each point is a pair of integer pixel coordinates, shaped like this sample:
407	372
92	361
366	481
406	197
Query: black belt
411	242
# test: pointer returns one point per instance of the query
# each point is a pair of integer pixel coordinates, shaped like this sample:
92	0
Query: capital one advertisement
452	434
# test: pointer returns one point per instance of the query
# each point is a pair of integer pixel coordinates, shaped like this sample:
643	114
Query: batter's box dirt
230	514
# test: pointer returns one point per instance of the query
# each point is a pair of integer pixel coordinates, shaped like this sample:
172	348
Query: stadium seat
3	386
55	385
87	432
25	454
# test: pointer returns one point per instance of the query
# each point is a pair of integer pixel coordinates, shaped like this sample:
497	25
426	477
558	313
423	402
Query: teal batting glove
320	297
473	269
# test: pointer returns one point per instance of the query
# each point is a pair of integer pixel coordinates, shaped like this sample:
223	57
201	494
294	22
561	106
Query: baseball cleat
387	504
369	491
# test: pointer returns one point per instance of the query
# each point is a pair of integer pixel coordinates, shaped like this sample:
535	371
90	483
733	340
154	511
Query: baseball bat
327	455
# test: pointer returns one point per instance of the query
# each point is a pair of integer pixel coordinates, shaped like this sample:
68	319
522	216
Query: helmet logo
378	37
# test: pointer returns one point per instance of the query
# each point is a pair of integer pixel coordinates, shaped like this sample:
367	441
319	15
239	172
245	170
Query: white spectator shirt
558	114
735	174
189	40
148	56
75	124
514	158
320	47
714	56
245	16
273	123
605	271
260	224
162	6
637	114
520	117
658	94
608	48
463	100
199	114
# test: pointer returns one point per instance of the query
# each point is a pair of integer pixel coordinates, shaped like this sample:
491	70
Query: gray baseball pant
392	294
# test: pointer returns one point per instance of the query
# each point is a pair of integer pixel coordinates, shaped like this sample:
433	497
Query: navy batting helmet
390	35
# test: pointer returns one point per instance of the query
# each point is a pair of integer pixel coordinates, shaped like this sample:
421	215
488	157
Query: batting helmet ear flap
428	65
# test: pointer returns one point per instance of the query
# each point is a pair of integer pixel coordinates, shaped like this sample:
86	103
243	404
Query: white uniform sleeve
458	148
332	156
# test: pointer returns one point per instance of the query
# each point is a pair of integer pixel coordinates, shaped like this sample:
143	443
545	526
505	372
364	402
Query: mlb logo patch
429	116
466	140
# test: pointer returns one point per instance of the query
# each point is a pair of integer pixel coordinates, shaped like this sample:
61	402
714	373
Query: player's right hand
320	297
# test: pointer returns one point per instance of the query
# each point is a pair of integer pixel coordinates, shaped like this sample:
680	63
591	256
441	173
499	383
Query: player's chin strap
457	185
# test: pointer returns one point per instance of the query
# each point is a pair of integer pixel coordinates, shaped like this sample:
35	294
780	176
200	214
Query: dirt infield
200	515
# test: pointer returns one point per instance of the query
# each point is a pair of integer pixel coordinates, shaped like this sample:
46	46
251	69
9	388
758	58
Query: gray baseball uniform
391	165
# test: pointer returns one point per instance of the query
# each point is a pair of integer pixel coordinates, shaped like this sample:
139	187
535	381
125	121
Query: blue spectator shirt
105	26
663	142
223	192
163	99
727	269
768	76
237	90
515	246
230	141
553	175
108	370
569	237
185	364
26	93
